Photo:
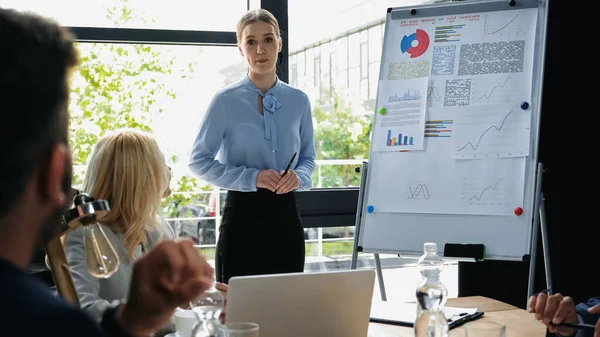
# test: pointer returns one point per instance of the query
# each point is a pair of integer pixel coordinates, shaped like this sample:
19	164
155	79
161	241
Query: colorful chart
438	128
406	45
398	141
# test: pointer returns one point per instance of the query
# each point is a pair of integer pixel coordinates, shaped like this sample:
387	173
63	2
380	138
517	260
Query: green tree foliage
120	86
341	132
123	86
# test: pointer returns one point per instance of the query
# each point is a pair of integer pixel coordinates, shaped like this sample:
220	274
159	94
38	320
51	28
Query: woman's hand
268	179
288	182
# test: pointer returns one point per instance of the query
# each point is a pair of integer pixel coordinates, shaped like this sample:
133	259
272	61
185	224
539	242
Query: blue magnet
370	209
524	105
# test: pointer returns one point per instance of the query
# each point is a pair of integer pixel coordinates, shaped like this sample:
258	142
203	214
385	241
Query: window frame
340	213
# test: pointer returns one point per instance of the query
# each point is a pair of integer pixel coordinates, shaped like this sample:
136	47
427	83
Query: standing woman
252	131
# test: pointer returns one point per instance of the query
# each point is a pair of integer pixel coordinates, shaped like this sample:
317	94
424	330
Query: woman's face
260	43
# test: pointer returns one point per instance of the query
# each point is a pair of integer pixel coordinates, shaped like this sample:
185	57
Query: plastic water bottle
431	295
208	308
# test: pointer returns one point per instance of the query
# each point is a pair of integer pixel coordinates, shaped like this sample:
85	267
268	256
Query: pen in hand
576	325
290	164
545	291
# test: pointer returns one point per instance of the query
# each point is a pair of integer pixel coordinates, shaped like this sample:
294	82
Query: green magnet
382	110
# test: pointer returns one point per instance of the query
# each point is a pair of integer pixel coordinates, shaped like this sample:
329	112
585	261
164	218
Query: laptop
327	304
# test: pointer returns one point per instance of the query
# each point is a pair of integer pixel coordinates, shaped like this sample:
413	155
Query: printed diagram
418	191
434	94
400	123
505	24
485	192
492	133
496	89
415	44
449	33
438	128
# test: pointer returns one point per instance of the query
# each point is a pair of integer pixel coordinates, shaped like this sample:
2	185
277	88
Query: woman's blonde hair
128	169
256	15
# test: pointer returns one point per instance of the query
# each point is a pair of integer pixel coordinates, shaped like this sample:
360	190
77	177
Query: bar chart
438	128
399	140
447	33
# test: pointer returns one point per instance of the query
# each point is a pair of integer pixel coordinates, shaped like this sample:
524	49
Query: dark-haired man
37	57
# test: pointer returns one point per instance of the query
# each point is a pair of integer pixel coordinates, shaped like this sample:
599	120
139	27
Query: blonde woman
256	141
128	169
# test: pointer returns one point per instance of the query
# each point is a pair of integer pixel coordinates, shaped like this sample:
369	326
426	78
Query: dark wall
568	145
571	199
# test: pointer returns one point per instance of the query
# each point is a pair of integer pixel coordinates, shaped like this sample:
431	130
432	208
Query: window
219	15
342	49
294	73
364	60
162	86
354	50
159	89
317	72
375	41
353	32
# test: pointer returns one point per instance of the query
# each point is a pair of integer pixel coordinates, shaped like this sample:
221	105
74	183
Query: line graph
432	93
418	191
492	132
505	24
480	196
501	28
496	89
436	93
474	147
490	192
487	96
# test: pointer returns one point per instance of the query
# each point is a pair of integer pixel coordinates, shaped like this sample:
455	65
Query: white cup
184	321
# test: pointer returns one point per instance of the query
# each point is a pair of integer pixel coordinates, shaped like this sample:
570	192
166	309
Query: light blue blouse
235	141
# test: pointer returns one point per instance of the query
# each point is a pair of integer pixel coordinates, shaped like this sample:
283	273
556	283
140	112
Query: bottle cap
430	247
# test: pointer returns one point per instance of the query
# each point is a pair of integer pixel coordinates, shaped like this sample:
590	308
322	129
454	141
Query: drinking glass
485	329
239	329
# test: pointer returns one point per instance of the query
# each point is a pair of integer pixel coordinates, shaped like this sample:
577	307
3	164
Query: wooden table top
481	303
519	323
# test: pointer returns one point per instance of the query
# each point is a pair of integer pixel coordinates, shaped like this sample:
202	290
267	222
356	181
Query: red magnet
518	211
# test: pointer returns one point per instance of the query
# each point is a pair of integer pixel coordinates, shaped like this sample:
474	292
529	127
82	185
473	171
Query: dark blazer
28	308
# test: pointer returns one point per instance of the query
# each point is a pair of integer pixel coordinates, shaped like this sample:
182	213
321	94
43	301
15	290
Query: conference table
518	322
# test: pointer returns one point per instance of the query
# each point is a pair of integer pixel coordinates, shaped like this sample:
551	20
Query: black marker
465	319
290	164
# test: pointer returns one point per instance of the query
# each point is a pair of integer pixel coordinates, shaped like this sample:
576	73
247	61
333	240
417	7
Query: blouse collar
270	106
246	81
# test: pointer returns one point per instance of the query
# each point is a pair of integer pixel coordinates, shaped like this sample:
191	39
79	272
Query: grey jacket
96	294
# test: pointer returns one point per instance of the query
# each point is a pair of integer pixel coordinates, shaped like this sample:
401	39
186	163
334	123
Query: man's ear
53	175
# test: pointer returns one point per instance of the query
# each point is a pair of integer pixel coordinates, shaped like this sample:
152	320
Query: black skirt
261	233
